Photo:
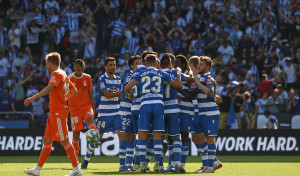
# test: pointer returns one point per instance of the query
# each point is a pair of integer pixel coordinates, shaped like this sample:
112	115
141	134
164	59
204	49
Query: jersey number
73	121
99	124
146	82
134	90
126	123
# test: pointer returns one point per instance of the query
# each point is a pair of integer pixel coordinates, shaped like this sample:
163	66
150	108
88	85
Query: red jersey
84	85
58	96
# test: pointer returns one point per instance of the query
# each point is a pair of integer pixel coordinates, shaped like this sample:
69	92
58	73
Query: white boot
75	172
34	171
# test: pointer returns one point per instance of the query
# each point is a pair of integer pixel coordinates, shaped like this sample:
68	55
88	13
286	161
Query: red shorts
80	114
57	127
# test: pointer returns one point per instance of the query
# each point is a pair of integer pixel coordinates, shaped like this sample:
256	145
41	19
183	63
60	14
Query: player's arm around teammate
208	113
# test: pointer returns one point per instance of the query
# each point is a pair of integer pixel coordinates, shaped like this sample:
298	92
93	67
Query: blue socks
129	153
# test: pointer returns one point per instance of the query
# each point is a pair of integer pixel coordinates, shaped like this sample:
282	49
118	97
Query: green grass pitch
101	165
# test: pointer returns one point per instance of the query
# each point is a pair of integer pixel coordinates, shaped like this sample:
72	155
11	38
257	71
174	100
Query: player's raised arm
203	67
189	78
177	83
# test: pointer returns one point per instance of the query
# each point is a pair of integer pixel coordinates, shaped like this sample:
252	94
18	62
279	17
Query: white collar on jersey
152	68
165	69
108	76
76	76
208	73
140	66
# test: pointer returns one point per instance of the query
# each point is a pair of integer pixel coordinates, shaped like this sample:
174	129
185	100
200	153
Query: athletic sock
142	151
149	151
203	152
136	155
158	148
90	151
129	153
171	153
177	151
184	153
122	152
75	144
71	154
211	154
44	154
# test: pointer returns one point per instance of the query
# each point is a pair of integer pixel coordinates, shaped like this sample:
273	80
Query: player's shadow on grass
58	168
126	173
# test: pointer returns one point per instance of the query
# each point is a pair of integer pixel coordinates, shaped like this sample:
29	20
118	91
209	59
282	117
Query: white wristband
178	71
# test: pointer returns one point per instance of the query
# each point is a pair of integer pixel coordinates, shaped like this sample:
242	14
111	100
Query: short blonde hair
194	60
207	60
54	58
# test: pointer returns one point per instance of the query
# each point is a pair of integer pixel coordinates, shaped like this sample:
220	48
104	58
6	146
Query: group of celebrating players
162	99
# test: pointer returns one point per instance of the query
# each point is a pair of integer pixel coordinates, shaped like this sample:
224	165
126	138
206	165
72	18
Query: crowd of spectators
255	44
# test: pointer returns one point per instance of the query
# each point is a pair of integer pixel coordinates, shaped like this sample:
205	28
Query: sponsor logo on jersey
201	79
84	83
209	81
113	90
193	85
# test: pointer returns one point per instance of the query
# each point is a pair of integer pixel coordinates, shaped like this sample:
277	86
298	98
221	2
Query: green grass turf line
229	169
191	159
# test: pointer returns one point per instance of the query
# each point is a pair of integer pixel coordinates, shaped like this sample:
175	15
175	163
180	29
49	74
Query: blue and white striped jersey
52	19
132	43
22	23
49	4
125	105
108	106
170	98
60	32
2	36
119	26
73	20
185	104
39	19
137	89
152	83
207	105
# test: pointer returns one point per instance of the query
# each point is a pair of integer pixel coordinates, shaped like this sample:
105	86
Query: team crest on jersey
208	81
53	79
102	86
201	79
128	78
84	83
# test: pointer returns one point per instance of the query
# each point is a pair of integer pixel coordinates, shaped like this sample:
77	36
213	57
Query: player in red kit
60	89
82	106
